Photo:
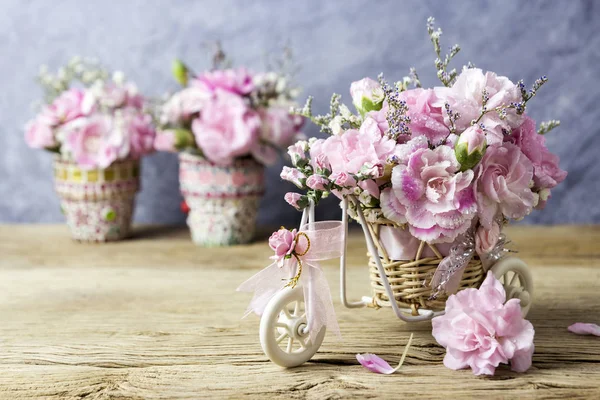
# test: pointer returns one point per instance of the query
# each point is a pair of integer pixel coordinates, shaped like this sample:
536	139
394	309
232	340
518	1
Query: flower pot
223	201
98	203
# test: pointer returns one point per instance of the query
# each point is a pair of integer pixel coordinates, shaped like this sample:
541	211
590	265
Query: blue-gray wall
335	42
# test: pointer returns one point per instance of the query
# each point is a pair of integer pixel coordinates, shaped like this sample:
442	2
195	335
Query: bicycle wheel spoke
514	278
290	344
297	308
303	342
281	337
286	311
282	325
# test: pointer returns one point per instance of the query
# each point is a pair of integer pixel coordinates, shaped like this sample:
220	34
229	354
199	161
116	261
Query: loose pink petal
374	363
582	328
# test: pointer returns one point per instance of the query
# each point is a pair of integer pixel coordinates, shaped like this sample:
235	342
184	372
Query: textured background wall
335	41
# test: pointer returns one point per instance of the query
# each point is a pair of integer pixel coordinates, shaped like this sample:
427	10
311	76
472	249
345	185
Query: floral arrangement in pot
432	175
227	124
98	128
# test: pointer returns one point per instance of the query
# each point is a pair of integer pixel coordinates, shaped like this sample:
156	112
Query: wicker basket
223	201
98	204
410	279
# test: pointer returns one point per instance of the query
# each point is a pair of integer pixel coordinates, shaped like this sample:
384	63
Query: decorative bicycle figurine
289	338
432	175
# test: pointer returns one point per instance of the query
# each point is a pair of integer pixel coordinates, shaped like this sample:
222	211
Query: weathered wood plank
159	318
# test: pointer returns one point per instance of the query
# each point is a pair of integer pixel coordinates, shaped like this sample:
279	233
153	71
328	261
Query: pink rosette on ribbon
297	256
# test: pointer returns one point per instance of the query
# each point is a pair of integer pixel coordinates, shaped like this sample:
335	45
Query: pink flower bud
486	239
367	95
470	147
293	175
296	200
343	179
317	182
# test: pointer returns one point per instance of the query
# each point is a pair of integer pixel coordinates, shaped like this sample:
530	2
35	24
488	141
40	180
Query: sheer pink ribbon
326	242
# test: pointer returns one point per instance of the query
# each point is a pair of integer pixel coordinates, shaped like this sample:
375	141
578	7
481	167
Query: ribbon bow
314	242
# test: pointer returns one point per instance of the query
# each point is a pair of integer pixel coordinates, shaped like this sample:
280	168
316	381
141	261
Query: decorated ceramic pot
98	203
222	201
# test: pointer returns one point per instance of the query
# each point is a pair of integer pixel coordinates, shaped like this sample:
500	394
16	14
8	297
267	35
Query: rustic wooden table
156	317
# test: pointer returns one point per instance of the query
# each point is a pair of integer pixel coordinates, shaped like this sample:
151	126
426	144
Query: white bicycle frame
405	314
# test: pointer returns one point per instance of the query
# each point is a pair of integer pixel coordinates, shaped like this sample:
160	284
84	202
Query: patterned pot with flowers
97	203
222	201
98	133
226	124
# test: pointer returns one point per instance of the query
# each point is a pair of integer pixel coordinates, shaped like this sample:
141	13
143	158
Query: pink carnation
39	135
479	330
546	171
65	108
318	157
183	105
237	81
279	127
438	198
503	184
88	140
227	128
426	118
141	134
353	149
465	98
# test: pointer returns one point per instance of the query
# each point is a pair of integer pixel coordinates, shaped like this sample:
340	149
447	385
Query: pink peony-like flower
65	108
546	171
238	81
502	184
353	149
465	98
141	134
479	330
227	128
283	243
279	127
88	141
486	239
39	135
426	118
317	182
437	197
183	105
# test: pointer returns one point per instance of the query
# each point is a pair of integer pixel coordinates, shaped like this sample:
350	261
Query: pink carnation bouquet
91	119
437	161
226	113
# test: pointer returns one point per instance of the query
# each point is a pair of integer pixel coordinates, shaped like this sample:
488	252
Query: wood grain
155	318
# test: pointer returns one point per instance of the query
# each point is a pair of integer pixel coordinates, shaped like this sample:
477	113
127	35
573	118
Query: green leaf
180	72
